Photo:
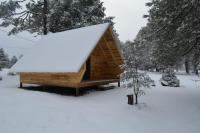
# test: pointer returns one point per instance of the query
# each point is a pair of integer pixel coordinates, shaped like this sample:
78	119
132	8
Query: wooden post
77	91
21	85
118	83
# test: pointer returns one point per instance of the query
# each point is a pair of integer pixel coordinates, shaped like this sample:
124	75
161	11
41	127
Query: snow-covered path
162	110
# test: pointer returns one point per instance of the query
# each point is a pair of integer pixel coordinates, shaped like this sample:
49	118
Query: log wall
106	59
56	79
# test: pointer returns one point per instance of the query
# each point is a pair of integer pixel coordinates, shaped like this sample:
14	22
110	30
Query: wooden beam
97	82
106	44
117	46
21	85
77	92
119	83
82	72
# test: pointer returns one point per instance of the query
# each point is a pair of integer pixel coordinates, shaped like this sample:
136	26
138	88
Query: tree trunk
196	69
45	8
187	66
136	99
177	68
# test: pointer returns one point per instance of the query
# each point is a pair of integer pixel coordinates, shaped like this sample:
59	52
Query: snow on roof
62	52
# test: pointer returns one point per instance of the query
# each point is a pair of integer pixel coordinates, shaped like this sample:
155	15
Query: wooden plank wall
106	59
57	79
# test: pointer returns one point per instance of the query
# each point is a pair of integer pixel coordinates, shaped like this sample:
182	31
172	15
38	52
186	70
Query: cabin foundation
119	83
21	85
77	91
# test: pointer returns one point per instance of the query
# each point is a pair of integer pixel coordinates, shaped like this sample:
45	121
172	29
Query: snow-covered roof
62	52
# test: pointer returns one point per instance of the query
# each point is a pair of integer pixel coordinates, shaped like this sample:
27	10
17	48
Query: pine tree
4	60
131	77
26	18
76	14
175	30
43	16
145	49
12	61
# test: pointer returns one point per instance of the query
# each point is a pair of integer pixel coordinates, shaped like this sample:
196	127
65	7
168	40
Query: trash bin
130	99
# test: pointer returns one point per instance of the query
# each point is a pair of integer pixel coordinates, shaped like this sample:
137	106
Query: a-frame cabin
88	56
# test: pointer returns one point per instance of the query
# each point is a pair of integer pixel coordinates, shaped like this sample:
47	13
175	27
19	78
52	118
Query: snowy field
162	110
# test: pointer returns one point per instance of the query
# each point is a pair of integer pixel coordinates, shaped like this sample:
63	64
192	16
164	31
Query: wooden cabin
84	57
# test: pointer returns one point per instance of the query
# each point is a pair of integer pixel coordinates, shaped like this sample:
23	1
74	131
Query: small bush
169	79
12	73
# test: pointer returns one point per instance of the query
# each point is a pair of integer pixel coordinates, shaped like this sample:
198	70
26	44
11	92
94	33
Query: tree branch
181	14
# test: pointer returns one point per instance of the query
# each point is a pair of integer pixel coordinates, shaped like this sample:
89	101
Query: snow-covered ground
162	110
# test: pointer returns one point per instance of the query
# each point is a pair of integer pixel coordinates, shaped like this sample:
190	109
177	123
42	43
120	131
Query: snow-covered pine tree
132	77
56	15
145	48
87	12
4	60
175	30
25	15
13	61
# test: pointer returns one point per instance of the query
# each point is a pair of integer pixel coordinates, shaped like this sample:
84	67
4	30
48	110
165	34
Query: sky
128	16
128	21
